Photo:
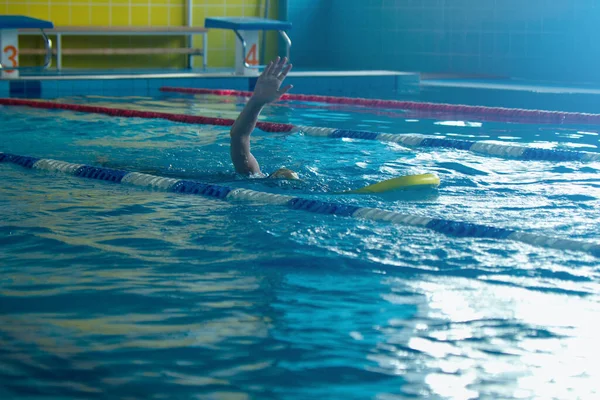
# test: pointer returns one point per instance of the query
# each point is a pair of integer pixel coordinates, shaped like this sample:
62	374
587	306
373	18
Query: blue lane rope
447	227
486	148
103	174
191	187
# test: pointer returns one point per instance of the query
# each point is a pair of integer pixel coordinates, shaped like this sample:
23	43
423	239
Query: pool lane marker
485	148
502	114
447	227
409	140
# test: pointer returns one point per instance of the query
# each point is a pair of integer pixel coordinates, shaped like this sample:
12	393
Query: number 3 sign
9	53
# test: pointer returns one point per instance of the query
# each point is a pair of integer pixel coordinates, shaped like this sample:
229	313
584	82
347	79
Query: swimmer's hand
268	86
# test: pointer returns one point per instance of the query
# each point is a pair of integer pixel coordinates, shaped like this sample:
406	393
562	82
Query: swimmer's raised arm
267	90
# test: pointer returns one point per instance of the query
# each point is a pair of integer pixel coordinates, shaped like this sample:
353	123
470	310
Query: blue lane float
444	226
486	148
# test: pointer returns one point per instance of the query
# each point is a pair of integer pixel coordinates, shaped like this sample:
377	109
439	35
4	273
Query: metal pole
190	17
59	51
204	51
288	43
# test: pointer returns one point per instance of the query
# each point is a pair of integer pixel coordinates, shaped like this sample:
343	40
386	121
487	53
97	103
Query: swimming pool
117	291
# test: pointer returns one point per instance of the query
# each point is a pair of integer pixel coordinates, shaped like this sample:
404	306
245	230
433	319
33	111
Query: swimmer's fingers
285	89
272	68
268	68
279	66
284	73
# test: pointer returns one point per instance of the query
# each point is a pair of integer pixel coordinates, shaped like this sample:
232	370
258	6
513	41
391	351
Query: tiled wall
554	40
312	36
101	12
138	13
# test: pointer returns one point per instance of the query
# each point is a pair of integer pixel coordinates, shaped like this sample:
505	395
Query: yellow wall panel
212	11
59	14
81	14
198	15
120	16
41	11
159	16
140	18
17	8
237	11
177	16
217	39
221	44
100	16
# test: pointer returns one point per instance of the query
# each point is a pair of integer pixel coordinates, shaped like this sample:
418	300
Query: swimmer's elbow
238	132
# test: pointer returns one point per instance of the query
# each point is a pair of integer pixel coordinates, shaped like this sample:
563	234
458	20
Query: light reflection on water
544	340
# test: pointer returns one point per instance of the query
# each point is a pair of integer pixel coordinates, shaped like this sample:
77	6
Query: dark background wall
554	40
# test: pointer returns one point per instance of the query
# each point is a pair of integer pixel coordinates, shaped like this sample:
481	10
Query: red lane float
119	112
489	113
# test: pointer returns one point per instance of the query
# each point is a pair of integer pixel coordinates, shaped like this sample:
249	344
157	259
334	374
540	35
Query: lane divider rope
490	113
444	226
119	112
485	148
409	140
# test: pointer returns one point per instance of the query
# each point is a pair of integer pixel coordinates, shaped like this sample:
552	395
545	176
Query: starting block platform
9	43
246	30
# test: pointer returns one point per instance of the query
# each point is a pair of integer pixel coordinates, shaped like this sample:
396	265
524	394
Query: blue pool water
120	292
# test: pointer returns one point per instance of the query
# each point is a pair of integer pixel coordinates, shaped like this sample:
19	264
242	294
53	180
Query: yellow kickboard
401	182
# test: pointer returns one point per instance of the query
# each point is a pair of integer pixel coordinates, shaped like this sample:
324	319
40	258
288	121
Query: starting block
9	43
246	30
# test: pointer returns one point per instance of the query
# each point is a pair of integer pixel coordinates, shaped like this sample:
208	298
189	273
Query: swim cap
284	173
